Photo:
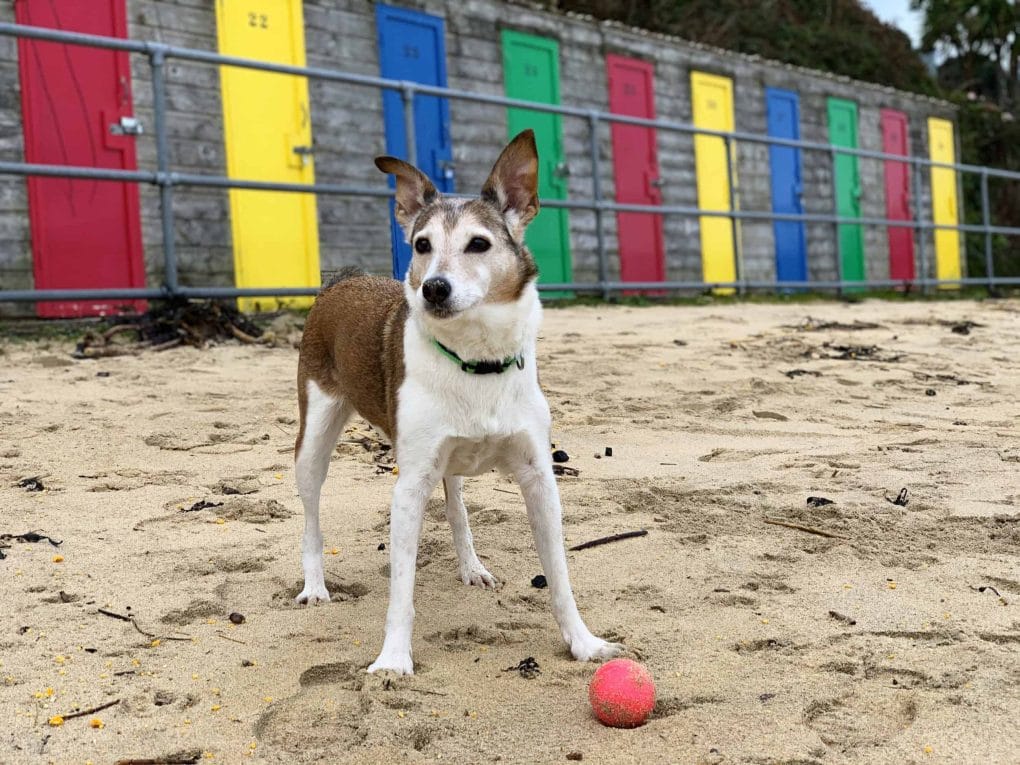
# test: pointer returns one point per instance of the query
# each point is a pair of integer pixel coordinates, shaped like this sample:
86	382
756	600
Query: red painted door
897	194
636	170
85	233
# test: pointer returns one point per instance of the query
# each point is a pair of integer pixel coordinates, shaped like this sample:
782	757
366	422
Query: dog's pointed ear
414	190
512	185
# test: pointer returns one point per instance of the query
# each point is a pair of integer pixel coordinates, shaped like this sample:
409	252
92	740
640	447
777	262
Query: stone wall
15	252
348	132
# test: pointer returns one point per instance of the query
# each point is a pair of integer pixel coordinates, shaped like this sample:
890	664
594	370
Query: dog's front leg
542	498
414	486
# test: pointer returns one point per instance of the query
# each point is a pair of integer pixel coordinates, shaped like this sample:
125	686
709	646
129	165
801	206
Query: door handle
447	169
127	125
304	152
562	170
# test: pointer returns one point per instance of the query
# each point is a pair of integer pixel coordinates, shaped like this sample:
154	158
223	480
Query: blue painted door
784	122
411	47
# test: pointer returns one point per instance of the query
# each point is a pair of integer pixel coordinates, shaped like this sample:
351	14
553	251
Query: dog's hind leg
322	419
469	567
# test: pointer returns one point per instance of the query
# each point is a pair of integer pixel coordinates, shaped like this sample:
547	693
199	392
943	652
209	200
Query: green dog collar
481	367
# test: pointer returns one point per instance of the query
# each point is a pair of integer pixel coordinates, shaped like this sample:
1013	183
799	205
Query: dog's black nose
436	290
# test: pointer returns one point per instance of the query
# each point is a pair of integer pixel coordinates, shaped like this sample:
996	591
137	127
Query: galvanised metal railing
167	180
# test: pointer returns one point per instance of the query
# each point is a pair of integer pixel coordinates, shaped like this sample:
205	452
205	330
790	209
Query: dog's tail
345	273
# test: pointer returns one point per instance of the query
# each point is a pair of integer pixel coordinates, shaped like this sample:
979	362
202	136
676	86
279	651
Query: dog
444	365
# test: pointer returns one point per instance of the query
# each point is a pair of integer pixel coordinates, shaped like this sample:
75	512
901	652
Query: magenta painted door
897	194
85	233
636	170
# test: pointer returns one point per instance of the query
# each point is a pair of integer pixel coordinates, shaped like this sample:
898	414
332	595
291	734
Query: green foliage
974	34
980	43
838	36
988	139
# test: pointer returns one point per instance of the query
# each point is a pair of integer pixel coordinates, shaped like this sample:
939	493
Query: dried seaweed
168	324
527	668
814	325
859	353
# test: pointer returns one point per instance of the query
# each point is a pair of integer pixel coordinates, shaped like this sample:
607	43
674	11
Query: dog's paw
397	664
591	648
313	594
475	574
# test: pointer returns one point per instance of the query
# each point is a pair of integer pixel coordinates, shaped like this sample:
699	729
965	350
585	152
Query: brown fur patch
507	285
513	182
353	347
414	189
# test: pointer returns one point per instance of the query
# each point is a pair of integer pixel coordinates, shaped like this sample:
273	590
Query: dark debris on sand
527	668
168	324
810	324
858	353
28	536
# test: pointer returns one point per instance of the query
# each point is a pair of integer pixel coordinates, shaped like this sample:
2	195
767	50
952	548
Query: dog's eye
477	244
422	246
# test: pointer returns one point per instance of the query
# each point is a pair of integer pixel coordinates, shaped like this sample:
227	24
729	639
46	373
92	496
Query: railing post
922	236
407	94
986	221
157	59
833	154
738	252
596	188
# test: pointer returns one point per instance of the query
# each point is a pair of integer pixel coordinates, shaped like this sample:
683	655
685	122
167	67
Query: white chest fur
472	418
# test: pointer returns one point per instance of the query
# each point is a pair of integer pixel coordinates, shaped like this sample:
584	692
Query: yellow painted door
712	100
268	135
944	205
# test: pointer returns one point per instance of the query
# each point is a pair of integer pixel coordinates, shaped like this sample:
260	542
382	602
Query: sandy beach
877	623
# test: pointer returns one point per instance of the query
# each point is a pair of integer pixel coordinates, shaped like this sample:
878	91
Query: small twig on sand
244	337
134	624
84	712
167	345
181	758
610	538
989	587
505	491
140	630
123	618
182	639
227	637
427	692
800	527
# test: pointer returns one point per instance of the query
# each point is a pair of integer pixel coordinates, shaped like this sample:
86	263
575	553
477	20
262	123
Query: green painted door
531	72
843	132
